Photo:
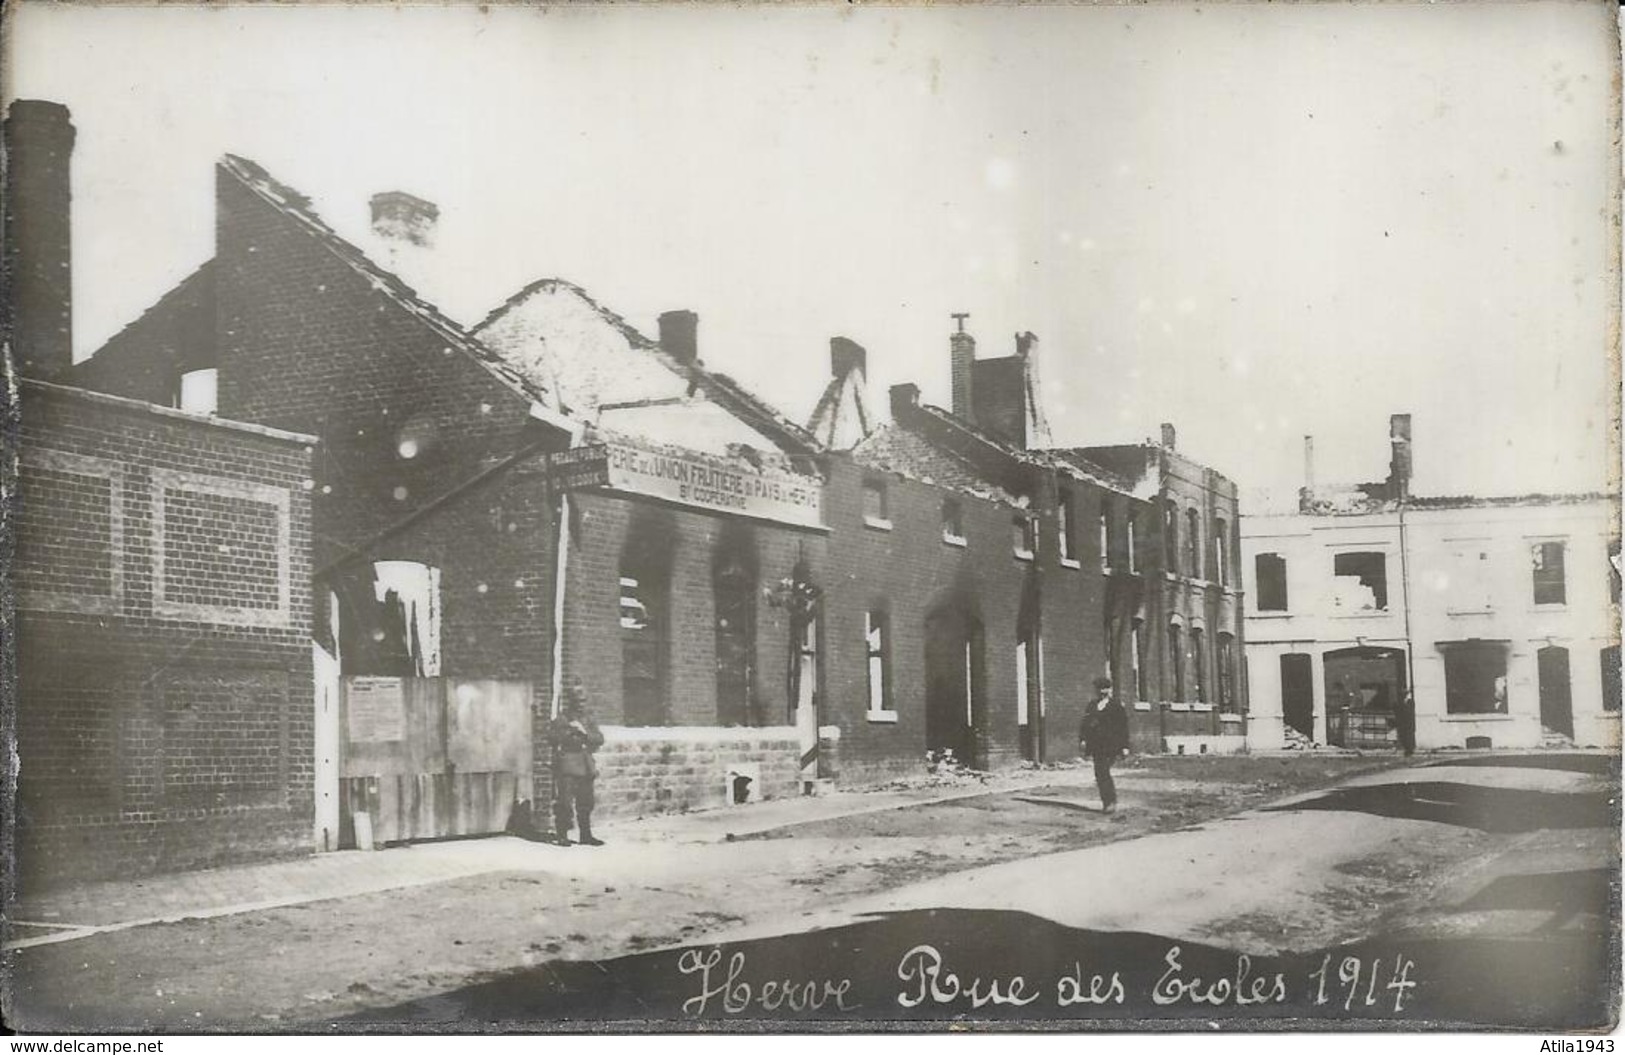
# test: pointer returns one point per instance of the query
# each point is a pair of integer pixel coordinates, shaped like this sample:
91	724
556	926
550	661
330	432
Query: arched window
1193	544
1176	662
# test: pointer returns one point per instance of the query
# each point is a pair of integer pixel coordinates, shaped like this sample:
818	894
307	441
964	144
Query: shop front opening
645	624
734	588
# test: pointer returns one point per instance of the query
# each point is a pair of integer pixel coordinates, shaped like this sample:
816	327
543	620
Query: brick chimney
38	238
1168	435
679	335
845	356
961	364
401	217
1399	463
904	398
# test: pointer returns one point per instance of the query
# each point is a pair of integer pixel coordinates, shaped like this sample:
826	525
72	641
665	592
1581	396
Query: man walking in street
575	736
1103	738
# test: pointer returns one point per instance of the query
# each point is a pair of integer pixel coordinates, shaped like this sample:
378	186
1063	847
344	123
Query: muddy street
1257	856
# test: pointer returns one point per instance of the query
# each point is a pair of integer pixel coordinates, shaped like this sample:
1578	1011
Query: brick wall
146	359
642	771
908	571
309	343
164	716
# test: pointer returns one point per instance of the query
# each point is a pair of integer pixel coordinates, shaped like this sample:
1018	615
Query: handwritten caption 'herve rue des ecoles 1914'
927	981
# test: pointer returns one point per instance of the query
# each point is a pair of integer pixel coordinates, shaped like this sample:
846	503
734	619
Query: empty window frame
1064	524
877	643
1026	679
199	391
1475	677
1221	558
1132	524
1104	534
1269	574
1138	659
1226	657
1198	664
1176	662
1548	560
874	502
1360	581
1022	535
953	521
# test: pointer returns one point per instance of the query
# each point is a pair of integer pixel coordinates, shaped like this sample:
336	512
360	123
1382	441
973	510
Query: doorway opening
1556	699
955	690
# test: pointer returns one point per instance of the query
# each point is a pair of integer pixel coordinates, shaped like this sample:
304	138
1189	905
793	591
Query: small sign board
580	467
375	709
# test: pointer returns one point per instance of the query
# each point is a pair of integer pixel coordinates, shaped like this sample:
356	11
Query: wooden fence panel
428	758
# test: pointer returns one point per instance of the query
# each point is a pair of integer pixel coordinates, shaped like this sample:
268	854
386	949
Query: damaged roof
895	449
1359	500
1069	464
841	419
627	376
296	207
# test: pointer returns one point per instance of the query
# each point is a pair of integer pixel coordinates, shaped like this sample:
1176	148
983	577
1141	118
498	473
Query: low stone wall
665	770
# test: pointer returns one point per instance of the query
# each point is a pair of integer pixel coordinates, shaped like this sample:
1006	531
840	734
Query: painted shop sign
693	480
580	467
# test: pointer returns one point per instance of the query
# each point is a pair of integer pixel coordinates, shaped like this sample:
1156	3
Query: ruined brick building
755	606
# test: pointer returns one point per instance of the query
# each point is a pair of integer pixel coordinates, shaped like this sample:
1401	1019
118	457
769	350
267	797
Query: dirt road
530	906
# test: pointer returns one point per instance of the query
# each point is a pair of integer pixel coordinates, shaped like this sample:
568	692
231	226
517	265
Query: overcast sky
1253	221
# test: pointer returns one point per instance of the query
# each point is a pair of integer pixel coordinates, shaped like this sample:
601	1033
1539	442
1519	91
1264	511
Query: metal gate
427	758
1353	728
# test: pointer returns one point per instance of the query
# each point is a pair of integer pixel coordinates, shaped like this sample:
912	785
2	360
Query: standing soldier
575	736
1103	738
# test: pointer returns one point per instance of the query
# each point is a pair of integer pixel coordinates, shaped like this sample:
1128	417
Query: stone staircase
1552	740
